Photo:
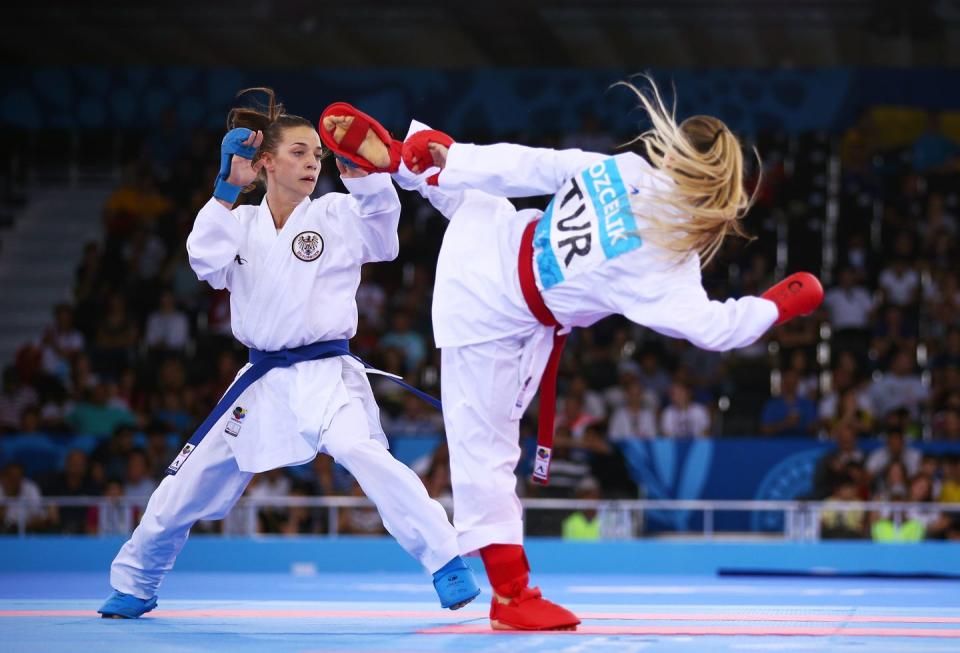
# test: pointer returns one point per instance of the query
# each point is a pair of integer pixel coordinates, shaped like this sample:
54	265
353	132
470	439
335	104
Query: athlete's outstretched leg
206	486
480	384
409	514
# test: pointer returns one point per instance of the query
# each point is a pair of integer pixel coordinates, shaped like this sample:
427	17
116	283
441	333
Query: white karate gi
589	262
289	289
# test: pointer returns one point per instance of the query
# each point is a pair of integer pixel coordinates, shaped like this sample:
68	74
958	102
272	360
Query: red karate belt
548	384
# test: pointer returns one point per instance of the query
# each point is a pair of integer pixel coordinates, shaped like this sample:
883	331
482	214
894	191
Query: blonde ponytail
704	160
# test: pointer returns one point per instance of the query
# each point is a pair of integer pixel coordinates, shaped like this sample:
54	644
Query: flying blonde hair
704	160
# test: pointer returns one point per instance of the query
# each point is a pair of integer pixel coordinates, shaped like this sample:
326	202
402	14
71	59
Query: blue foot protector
123	606
455	584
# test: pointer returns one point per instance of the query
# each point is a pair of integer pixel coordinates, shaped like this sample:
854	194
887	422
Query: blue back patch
617	226
588	222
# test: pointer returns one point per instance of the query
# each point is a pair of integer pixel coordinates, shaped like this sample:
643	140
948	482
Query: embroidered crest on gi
308	246
233	426
181	457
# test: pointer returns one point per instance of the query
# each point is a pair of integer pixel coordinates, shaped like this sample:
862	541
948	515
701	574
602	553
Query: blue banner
464	101
762	469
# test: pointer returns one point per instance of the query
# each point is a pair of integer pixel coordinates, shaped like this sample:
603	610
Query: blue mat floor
398	613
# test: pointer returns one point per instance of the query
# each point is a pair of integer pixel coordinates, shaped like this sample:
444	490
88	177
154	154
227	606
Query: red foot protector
798	294
416	147
348	146
525	608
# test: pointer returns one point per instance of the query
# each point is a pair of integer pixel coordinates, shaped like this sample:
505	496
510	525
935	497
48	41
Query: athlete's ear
267	162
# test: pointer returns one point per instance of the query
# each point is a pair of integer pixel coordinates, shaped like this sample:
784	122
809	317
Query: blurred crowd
144	350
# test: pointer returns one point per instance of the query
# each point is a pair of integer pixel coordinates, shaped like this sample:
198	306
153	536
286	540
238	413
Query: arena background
112	351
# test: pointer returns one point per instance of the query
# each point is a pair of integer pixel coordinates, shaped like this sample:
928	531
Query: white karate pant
479	386
209	483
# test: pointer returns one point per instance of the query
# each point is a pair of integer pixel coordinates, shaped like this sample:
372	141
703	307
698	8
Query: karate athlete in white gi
292	266
621	236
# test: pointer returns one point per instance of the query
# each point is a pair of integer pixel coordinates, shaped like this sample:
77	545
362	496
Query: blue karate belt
264	361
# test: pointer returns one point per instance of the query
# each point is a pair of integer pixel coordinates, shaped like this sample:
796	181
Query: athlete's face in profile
295	166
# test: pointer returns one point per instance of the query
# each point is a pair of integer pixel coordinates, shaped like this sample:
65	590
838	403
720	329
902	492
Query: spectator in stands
704	369
327	478
591	401
683	418
14	485
949	355
892	334
73	481
437	476
940	224
389	394
574	416
226	369
950	487
112	517
843	523
60	343
159	453
143	257
892	484
116	337
894	450
170	410
168	328
852	406
30	421
371	299
653	376
635	419
417	418
945	300
584	525
850	306
948	426
607	464
94	415
901	387
15	397
360	521
138	483
111	454
900	283
789	414
933	523
896	524
858	255
808	384
403	337
832	468
299	520
88	275
271	484
53	410
136	203
82	377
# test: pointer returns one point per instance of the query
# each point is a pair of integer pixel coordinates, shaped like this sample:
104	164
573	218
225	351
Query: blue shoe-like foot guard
123	606
455	584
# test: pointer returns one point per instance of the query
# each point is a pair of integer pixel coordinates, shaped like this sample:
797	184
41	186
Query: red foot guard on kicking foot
516	606
799	294
530	611
358	139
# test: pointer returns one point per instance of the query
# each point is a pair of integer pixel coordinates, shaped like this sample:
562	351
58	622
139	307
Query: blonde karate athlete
292	266
621	236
